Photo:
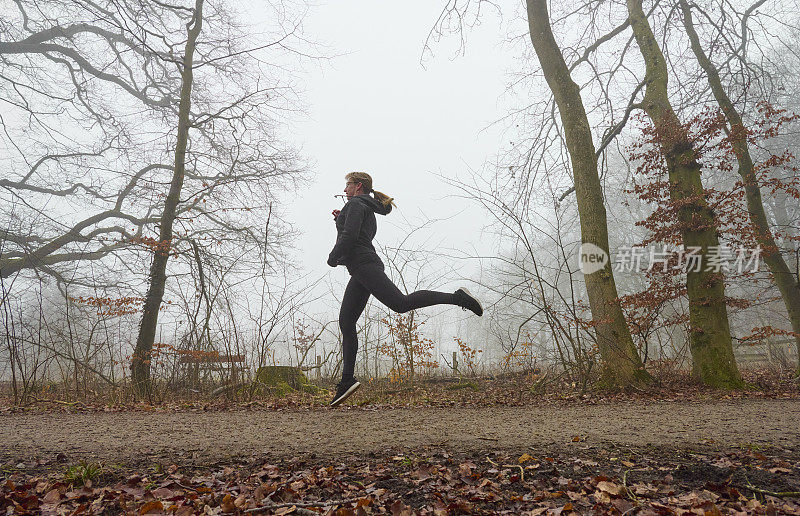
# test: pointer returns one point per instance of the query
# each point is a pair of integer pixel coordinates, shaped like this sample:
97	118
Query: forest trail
222	435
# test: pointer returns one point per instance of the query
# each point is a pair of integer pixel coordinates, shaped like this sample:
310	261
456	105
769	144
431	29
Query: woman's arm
353	215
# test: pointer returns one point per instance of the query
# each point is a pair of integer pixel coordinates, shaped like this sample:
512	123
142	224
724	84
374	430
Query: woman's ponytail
383	198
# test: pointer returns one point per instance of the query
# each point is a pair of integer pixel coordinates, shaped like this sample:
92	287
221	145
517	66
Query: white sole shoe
353	388
467	292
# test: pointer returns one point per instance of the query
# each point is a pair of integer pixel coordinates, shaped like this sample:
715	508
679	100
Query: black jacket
356	227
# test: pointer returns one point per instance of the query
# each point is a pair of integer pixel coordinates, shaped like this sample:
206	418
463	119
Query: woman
356	227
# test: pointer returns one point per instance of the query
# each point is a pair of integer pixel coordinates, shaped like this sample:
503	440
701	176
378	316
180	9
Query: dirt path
129	436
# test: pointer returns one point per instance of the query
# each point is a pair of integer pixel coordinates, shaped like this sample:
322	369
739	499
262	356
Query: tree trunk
10	337
790	241
140	361
782	220
621	364
713	362
784	279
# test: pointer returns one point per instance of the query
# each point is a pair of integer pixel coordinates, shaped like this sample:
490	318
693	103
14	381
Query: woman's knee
347	324
400	305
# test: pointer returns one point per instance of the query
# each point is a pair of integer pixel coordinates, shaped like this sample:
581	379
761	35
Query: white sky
376	109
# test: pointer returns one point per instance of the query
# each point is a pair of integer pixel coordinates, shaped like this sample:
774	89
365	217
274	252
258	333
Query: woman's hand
335	214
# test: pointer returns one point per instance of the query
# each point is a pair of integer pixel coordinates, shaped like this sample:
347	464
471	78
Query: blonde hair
366	183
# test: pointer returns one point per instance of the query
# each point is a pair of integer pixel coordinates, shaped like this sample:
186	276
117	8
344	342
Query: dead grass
516	388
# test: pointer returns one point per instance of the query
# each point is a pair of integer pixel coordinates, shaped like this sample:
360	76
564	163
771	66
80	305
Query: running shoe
468	302
344	389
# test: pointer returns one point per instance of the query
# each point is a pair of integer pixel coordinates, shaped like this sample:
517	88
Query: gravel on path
128	436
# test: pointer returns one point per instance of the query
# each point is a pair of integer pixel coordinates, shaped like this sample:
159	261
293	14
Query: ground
343	433
594	455
517	444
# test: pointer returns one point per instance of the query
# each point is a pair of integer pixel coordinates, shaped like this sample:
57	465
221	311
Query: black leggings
370	279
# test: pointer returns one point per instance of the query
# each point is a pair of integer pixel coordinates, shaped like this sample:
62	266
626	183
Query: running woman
356	227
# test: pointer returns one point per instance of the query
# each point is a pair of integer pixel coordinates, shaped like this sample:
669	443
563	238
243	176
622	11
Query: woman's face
353	188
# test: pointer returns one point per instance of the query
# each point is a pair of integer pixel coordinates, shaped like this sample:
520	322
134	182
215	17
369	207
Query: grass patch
83	473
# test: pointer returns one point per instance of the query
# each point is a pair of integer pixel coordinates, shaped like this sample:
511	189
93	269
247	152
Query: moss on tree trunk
283	379
713	362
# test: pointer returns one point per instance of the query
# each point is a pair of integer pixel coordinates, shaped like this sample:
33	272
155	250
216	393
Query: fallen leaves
610	488
524	458
433	483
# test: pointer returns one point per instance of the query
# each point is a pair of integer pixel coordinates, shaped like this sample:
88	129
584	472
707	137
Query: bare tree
622	365
94	191
537	288
783	277
411	268
123	76
140	361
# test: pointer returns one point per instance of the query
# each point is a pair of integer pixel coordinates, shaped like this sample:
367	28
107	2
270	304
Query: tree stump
282	380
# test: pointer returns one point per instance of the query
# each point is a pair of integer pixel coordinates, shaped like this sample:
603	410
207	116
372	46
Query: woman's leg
353	303
374	279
